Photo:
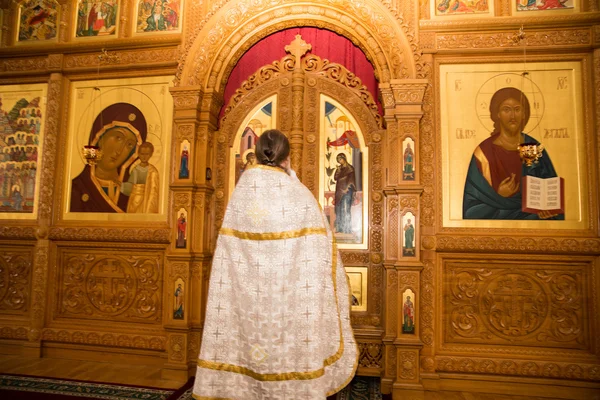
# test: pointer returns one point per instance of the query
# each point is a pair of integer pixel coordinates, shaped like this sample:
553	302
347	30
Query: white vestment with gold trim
278	311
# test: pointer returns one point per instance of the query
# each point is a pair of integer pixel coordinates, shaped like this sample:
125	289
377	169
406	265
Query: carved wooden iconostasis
110	260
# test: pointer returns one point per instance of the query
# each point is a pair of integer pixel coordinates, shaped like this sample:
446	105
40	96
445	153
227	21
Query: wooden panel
109	285
516	303
16	264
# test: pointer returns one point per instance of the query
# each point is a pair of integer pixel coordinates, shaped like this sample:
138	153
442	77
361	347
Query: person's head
251	158
116	145
145	152
510	110
341	159
272	148
118	125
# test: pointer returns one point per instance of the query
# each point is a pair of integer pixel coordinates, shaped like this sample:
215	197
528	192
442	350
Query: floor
140	375
150	376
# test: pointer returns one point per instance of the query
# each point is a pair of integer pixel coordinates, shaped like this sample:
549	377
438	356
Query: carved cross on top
298	48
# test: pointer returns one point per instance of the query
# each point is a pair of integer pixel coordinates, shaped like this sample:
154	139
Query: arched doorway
325	112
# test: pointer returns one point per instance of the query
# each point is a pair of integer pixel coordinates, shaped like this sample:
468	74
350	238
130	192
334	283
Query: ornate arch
237	26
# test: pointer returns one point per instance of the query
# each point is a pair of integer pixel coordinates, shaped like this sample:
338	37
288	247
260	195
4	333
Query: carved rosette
110	286
407	365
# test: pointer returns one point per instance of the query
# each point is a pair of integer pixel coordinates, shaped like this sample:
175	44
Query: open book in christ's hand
541	194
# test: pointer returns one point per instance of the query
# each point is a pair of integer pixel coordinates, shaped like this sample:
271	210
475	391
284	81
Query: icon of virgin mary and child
122	180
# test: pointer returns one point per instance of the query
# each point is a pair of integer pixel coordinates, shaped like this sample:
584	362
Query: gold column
194	123
43	249
403	103
297	48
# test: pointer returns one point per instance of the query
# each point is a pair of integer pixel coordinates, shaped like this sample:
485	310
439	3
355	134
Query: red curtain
325	44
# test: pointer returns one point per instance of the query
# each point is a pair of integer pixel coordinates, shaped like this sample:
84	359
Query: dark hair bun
272	148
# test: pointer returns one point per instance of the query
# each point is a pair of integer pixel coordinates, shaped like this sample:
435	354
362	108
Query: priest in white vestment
278	312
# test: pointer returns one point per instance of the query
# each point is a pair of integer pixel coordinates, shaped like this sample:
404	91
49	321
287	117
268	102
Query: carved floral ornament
181	200
409	93
371	355
530	244
15	276
144	236
555	38
107	339
376	30
518	367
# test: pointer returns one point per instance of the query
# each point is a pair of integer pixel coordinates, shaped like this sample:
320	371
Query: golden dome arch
237	26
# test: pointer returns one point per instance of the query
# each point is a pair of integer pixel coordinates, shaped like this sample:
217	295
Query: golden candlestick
530	153
92	154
